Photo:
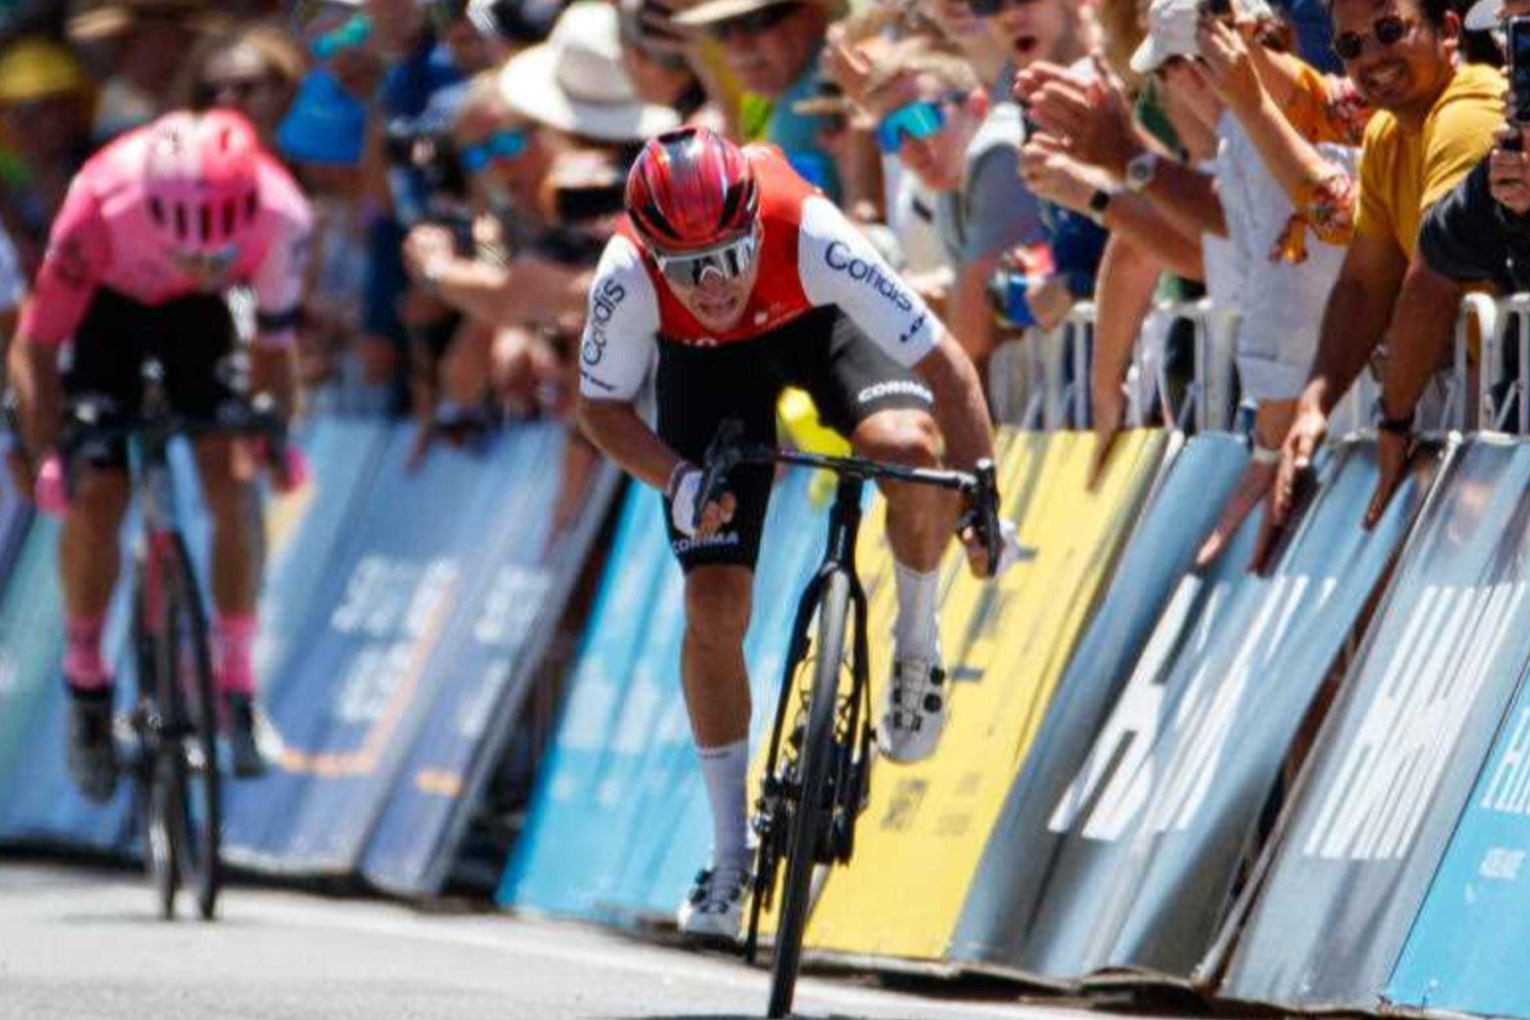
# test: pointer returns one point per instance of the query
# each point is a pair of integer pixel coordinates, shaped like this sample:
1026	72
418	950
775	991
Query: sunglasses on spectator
506	143
988	8
1387	30
754	23
727	261
355	31
918	121
238	90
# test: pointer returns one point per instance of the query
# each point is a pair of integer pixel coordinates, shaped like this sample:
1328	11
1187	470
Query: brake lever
987	498
722	456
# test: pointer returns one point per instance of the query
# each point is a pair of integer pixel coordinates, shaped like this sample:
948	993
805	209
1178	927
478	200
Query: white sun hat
575	81
1484	15
1172	26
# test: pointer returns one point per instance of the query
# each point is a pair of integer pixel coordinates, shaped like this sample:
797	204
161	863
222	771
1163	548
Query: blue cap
325	125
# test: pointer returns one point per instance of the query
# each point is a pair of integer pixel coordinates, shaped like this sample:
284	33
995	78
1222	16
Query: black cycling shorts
190	337
823	352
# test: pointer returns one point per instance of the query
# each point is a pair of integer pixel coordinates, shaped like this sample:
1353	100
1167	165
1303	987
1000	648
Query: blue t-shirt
797	133
1314	33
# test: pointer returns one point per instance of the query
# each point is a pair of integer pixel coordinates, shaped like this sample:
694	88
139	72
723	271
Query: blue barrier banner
580	819
1368	823
38	802
484	669
14	513
356	686
619	825
1466	951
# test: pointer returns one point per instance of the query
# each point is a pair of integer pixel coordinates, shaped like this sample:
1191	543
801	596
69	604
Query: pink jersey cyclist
156	229
104	237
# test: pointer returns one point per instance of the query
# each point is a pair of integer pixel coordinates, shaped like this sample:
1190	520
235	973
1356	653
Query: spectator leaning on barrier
773	47
932	110
1435	122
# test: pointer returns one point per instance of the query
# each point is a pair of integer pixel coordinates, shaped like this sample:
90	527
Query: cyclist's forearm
960	408
40	395
614	426
273	370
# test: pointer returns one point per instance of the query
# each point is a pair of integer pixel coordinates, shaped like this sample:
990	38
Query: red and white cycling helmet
691	190
201	180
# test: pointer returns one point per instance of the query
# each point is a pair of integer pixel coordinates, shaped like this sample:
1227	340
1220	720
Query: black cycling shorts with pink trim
190	337
823	352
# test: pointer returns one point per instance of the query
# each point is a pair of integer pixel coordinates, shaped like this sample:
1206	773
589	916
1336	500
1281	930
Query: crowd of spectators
466	159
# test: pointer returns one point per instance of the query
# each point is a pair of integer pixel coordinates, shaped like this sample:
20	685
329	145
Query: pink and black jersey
102	238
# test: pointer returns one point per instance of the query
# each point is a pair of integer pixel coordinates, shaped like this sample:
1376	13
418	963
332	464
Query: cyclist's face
209	271
719	303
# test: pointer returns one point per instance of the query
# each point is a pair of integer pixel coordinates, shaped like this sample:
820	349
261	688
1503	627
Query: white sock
726	771
916	631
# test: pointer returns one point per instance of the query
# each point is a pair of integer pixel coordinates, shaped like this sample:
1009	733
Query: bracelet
1264	454
1402	425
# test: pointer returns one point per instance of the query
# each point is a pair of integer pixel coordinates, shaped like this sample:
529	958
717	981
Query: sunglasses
506	143
727	261
352	33
753	23
918	121
988	8
1388	31
238	90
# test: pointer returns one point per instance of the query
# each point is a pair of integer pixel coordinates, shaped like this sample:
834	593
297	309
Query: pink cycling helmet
202	180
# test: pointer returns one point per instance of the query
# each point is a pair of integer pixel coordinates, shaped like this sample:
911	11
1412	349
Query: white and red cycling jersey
102	238
810	256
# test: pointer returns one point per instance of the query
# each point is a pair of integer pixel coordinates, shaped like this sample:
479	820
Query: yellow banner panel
1005	646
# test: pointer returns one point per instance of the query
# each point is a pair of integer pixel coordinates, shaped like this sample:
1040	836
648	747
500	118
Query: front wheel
811	813
186	771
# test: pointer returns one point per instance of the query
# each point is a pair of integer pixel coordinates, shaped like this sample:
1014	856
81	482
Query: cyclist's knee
717	602
99	496
899	437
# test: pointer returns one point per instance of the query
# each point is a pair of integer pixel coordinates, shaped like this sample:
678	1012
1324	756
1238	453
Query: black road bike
171	733
817	776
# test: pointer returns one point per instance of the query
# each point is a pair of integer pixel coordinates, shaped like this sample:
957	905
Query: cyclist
741	278
156	229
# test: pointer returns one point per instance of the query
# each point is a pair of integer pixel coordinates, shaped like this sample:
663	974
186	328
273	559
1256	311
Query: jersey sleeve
79	250
621	326
280	280
840	266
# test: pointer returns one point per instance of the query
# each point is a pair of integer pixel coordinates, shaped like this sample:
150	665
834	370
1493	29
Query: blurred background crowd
1013	157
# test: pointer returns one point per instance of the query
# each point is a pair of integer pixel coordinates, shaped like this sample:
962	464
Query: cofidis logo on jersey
841	259
603	308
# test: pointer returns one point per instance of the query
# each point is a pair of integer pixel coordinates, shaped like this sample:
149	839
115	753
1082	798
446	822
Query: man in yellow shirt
1435	122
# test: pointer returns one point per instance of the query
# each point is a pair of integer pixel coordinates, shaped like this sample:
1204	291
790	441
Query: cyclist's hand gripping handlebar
723	456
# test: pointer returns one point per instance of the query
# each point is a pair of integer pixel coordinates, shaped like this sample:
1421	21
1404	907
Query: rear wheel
188	764
811	812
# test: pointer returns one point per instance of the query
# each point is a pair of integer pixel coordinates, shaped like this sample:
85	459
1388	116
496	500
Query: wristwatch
1401	425
1140	170
1099	203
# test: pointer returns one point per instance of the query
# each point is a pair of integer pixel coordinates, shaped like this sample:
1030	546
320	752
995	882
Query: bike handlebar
98	422
979	486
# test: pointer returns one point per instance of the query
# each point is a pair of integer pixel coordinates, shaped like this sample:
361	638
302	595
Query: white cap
1172	26
1484	15
575	81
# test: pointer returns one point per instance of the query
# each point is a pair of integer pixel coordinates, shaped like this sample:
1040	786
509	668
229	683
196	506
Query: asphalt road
82	943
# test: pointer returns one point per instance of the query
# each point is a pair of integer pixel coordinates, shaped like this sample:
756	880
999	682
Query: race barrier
1367	826
1125	836
402	649
1005	647
404	618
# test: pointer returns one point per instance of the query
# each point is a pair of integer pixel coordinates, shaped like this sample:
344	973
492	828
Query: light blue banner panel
1466	951
14	513
38	802
571	851
356	685
1368	823
485	667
